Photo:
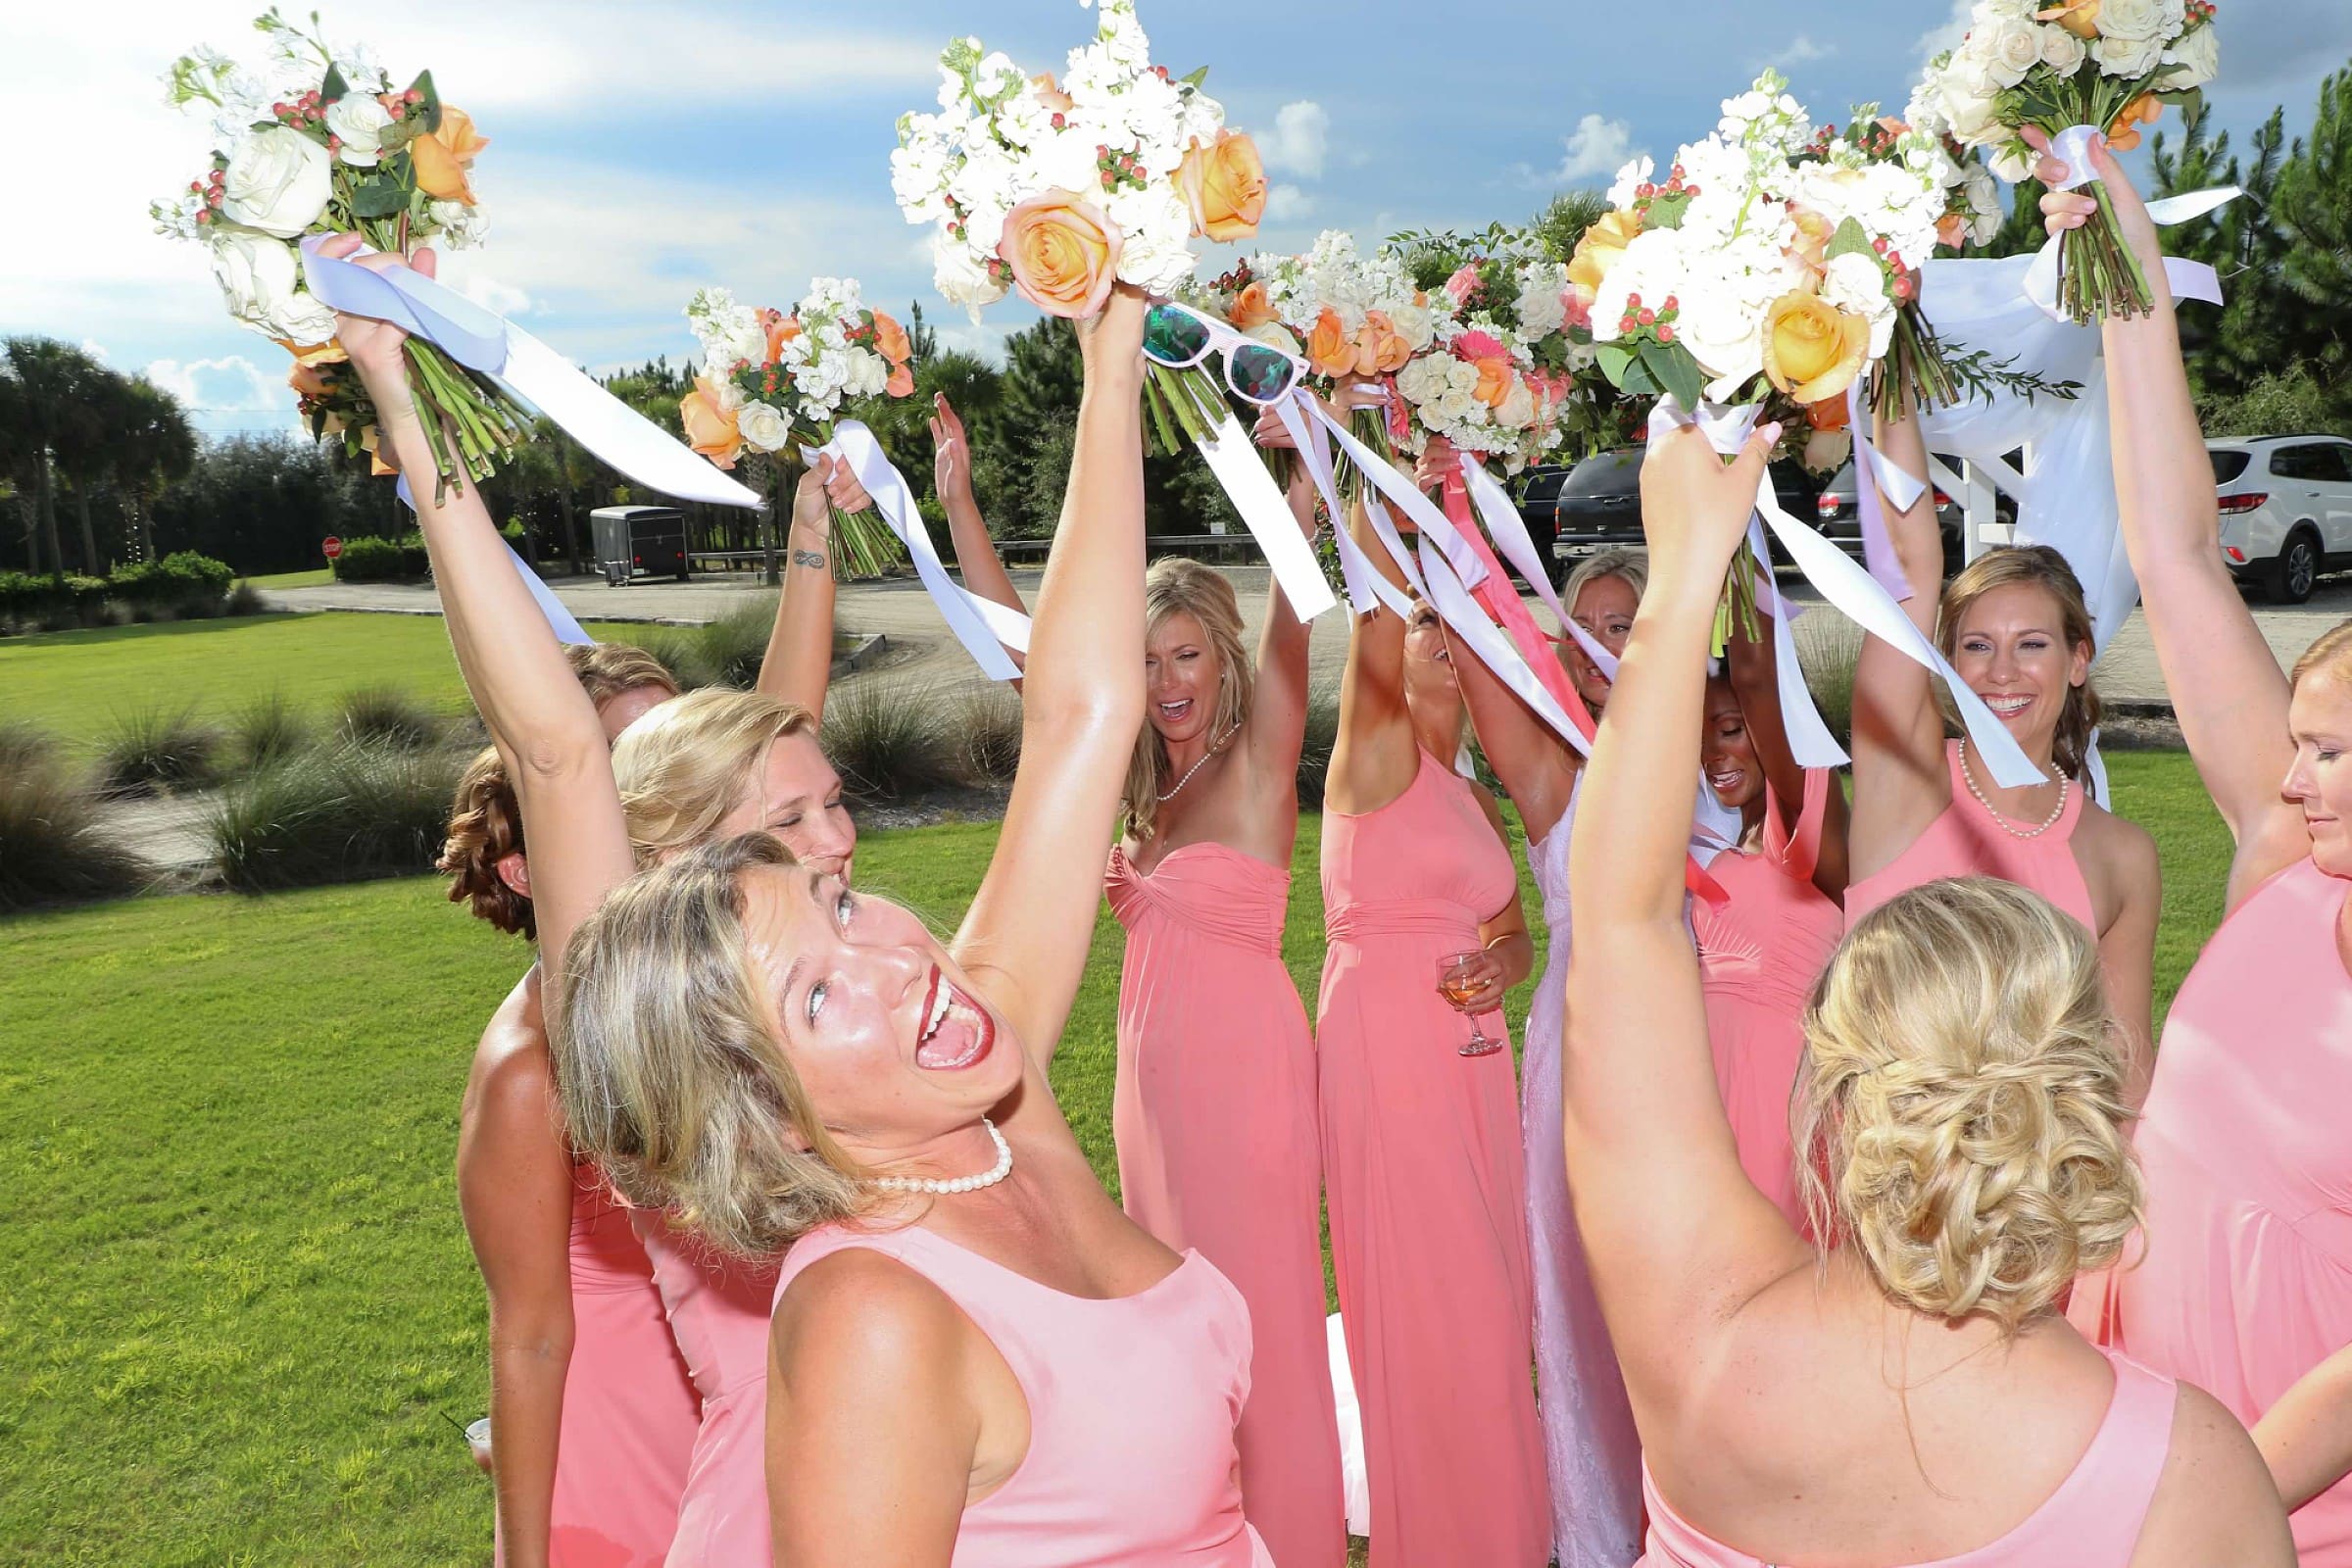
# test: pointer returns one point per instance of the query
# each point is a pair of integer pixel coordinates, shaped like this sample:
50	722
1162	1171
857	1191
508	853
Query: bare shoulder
859	1318
1488	803
2130	848
2215	1501
512	1076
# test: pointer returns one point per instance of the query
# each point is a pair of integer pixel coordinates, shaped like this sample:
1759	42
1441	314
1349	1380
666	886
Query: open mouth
957	1031
2006	706
1727	781
1174	712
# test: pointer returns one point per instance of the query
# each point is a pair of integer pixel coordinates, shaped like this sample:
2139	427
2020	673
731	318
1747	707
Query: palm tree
57	385
155	450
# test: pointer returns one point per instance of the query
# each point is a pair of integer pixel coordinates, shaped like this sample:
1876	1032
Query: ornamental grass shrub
890	740
152	750
341	813
55	846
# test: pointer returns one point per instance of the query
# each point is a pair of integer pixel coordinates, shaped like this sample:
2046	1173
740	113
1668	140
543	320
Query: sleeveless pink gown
2091	1521
717	1308
1427	1188
1132	1405
1966	841
1759	953
1214	1117
629	1410
2246	1148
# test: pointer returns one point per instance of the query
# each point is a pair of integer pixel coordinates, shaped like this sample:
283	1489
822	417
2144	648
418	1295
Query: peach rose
1379	349
329	352
1952	230
378	466
1830	414
1813	350
1250	308
1329	349
901	382
709	424
1495	378
307	381
1063	253
1049	93
2077	17
1599	250
2143	110
889	340
1814	231
1225	185
443	157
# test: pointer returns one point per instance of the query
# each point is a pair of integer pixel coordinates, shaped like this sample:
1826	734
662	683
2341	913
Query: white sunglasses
1179	337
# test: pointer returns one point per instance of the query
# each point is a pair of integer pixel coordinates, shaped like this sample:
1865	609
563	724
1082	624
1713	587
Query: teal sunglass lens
1173	337
1259	374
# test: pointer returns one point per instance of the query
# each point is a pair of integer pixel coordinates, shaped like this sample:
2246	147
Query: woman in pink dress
2014	627
1425	1180
1766	941
2246	1284
746	1041
1214	1106
1912	1395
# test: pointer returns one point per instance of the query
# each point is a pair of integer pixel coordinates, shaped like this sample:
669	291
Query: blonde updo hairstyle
1959	1114
612	670
689	763
2329	656
1176	585
2043	567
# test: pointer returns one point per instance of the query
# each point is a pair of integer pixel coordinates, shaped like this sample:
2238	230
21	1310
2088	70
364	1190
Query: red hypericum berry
213	200
204	218
1632	302
1878	244
1060	119
195	187
1646	188
1627	327
1665	334
334	144
1672	304
412	96
1648	317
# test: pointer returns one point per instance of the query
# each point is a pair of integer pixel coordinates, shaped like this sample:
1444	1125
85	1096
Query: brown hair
1177	585
2330	654
485	826
2045	568
607	669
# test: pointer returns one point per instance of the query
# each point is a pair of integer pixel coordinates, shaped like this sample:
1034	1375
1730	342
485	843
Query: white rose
1857	284
256	274
1414	325
1422	379
1450	407
2013	163
868	373
278	181
2194	60
1156	254
1972	120
763	425
457	227
2011	49
360	122
1518	410
1460	376
302	318
2127	57
2062	51
1984	212
2137	20
961	274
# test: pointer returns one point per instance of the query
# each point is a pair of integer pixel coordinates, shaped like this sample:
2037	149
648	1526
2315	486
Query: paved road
901	611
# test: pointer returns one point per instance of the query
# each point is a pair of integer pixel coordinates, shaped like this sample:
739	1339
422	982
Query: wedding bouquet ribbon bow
2189	280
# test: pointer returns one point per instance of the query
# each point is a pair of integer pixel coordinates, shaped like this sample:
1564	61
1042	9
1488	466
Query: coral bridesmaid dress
629	1410
1759	953
1214	1114
1427	1188
2246	1148
1968	840
717	1308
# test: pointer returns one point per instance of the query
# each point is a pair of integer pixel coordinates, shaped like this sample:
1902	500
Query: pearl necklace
2001	822
1218	746
961	1184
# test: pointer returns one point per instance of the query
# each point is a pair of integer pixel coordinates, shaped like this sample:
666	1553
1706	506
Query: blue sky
640	150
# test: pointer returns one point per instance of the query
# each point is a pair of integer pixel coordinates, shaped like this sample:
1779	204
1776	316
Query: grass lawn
78	682
315	577
244	1318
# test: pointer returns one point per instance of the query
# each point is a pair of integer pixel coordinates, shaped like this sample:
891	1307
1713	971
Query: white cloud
95	348
1948	34
1800	50
1596	147
1286	202
1301	137
230	384
492	295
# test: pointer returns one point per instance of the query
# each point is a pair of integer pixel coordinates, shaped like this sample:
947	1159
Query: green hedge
184	584
369	559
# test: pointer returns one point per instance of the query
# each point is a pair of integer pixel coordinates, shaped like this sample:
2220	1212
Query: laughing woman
742	1040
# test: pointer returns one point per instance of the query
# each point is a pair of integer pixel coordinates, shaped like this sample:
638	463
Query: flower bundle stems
2098	275
1371	427
1737	606
1915	364
863	544
1179	405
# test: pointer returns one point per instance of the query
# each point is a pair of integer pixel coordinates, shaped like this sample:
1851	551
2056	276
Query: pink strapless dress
1967	840
2091	1521
1131	1405
1759	953
630	1409
1214	1114
2246	1148
717	1308
1427	1188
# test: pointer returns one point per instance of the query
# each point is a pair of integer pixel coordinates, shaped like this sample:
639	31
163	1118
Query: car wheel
2295	569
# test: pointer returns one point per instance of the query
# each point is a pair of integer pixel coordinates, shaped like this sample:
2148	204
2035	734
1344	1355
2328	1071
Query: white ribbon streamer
1871	465
2191	280
1367	585
1267	516
1508	532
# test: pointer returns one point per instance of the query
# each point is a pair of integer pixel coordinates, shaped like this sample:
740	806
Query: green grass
315	577
243	1313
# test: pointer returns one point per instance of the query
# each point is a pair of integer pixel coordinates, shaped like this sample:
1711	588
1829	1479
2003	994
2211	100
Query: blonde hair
2330	654
1177	585
671	1078
609	669
2045	568
1620	562
1959	1113
687	764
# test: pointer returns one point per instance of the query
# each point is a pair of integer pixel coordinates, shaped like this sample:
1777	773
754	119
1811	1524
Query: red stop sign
332	546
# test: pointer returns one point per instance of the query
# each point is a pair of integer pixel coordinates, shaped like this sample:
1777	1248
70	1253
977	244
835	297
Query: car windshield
2227	465
1611	473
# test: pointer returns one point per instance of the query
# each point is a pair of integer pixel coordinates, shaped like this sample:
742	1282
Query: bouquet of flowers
1500	380
2106	63
771	378
318	143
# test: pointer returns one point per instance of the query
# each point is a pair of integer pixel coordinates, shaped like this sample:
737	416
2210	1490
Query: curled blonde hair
1177	584
2045	568
485	826
671	1078
1959	1113
607	669
687	764
2329	654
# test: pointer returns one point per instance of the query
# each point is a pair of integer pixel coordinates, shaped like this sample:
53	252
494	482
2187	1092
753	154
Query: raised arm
1677	1235
540	718
1901	783
1027	933
1753	664
1373	759
2224	682
799	663
976	555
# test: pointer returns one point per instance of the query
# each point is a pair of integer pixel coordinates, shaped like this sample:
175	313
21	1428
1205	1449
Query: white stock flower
256	274
2062	51
360	122
1629	178
1541	311
1518	410
1856	284
457	227
361	72
763	425
865	373
2193	61
278	181
2127	57
2011	49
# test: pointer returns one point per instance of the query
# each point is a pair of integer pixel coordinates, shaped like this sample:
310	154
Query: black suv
1600	504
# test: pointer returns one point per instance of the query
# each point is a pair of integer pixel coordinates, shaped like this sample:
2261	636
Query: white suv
2287	508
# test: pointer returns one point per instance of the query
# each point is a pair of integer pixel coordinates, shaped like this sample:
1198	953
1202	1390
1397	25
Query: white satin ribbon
559	618
1367	585
1870	463
985	628
1266	514
2191	280
1507	531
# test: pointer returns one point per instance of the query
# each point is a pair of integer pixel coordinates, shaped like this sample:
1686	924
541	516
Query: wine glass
1459	979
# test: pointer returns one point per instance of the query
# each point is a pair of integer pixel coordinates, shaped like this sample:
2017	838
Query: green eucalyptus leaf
1675	371
335	87
1851	239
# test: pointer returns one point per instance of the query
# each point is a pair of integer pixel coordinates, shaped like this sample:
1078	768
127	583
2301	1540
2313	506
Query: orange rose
1600	249
1813	350
307	381
890	339
1380	350
1813	232
1329	349
1225	186
901	382
1250	308
1495	378
1049	93
2143	110
378	466
709	423
1830	414
2077	17
443	157
1064	254
329	352
1952	230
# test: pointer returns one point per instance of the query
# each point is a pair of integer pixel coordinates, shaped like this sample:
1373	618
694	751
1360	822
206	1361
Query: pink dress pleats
2246	1148
630	1409
2091	1521
1426	1188
1759	953
718	1308
1132	1405
1214	1117
1967	840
